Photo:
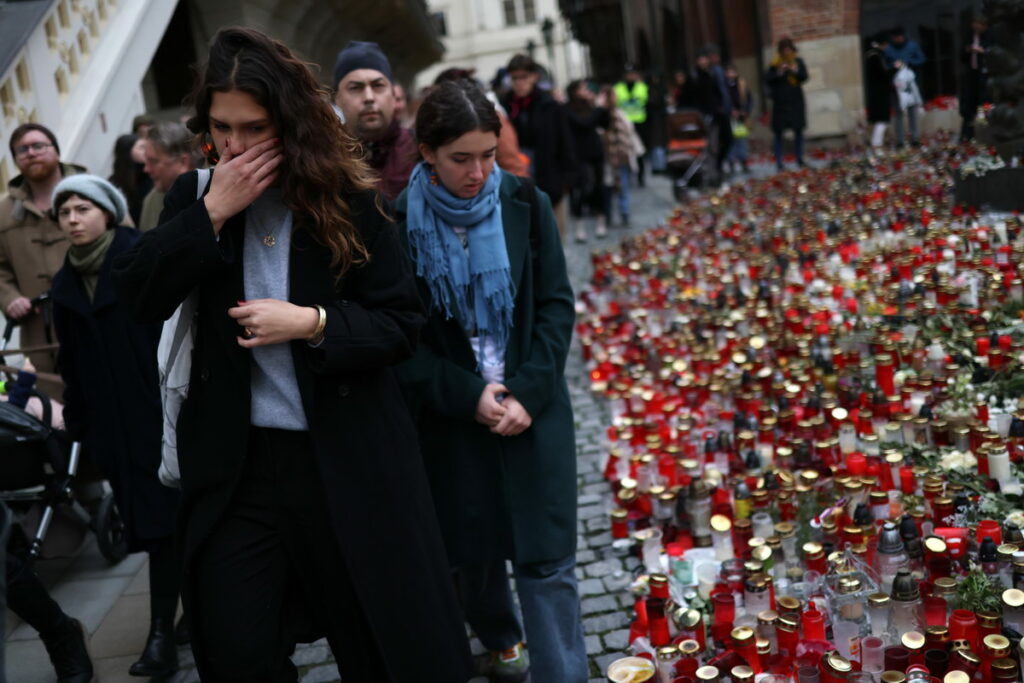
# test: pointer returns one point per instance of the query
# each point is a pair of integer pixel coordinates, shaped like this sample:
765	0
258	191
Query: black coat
112	395
788	107
503	497
583	125
878	86
544	136
363	438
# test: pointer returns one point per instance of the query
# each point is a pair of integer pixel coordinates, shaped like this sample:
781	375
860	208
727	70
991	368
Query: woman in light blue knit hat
111	395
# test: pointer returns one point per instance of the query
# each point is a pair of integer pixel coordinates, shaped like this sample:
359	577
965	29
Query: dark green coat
512	497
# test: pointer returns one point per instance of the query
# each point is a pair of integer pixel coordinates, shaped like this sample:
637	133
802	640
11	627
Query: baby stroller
688	149
40	466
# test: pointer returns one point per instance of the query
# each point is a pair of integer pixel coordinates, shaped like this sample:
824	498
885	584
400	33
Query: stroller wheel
110	532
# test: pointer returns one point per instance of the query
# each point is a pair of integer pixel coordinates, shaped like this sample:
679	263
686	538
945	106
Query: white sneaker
581	231
602	227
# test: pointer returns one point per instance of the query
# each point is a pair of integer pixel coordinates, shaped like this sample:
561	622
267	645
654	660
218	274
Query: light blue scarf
474	285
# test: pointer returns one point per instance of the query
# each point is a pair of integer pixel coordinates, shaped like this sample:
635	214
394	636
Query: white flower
956	460
1016	518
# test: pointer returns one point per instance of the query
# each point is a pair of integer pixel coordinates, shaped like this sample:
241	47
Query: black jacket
877	85
583	125
111	395
788	107
544	136
363	439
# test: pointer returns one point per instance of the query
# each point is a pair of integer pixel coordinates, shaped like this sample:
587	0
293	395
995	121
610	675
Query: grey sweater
276	401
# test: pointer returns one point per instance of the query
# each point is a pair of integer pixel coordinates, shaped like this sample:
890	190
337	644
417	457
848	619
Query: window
439	23
101	7
51	33
7	100
21	73
73	61
63	14
519	12
90	21
83	42
61	79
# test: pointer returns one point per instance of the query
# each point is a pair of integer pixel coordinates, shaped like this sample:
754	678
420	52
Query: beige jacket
32	250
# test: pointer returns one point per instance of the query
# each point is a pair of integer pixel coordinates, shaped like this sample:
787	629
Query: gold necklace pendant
269	240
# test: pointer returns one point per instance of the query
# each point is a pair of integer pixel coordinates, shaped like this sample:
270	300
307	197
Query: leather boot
66	647
181	634
160	656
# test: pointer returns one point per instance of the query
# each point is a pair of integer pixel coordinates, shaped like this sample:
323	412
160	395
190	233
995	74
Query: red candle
885	374
963	625
813	623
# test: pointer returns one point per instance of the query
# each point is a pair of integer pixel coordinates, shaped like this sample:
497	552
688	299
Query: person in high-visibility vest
631	93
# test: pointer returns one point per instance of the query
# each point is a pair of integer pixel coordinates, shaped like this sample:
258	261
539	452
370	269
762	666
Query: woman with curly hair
305	509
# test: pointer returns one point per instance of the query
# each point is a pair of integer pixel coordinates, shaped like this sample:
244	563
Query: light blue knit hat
96	190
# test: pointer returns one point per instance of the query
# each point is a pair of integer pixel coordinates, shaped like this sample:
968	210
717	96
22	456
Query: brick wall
812	19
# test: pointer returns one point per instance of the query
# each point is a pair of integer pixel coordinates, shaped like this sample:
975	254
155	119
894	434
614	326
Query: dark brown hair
453	109
20	131
322	160
521	62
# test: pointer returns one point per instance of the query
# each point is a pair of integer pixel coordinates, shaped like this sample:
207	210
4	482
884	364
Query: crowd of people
378	321
376	314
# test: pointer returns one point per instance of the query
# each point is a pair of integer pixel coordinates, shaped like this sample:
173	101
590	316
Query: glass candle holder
872	654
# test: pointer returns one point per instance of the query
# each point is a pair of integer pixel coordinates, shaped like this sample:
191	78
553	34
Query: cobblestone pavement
113	601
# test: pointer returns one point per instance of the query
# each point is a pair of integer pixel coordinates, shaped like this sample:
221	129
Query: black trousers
272	574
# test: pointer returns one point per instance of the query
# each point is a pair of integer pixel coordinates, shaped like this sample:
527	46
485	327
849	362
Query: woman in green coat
488	388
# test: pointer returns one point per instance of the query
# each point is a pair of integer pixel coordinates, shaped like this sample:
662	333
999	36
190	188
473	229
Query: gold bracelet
321	326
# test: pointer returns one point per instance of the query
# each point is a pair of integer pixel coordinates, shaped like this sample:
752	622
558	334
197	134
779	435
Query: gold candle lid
1013	597
707	673
720	523
742	673
997	644
1004	664
988	620
956	677
897	677
742	634
789	604
689	647
878	600
912	640
668	653
839	663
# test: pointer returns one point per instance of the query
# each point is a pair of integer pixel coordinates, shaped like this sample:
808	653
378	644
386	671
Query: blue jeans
798	143
738	151
551	614
625	176
898	124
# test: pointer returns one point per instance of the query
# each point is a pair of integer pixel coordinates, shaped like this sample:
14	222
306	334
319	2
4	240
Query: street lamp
547	30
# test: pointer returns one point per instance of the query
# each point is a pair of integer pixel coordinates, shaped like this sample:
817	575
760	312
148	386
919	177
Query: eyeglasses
35	148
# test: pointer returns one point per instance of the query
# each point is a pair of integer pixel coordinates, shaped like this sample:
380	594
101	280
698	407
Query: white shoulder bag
174	363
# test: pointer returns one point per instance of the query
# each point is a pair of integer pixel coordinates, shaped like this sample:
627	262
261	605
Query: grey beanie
360	55
96	190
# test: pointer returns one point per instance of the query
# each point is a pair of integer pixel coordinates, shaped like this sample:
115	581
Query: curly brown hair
323	161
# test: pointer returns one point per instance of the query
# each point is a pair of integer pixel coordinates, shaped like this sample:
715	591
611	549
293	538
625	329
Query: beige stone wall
834	91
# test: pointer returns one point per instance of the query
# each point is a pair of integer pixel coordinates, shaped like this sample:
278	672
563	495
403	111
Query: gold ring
249	333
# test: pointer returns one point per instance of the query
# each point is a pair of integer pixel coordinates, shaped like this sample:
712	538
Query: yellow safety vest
632	102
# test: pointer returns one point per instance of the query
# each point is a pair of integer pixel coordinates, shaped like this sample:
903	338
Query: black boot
66	647
181	634
160	656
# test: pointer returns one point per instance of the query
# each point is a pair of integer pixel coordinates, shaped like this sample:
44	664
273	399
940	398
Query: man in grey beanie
366	96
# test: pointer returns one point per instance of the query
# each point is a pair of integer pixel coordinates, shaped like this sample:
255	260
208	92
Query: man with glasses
32	246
